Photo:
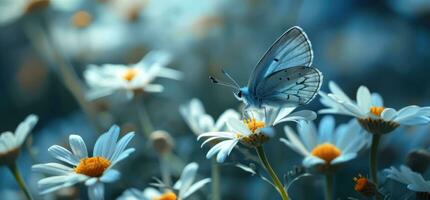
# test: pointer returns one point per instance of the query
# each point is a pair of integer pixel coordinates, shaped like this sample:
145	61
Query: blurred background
380	44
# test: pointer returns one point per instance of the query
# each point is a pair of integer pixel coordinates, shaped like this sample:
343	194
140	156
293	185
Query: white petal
308	133
389	114
293	141
343	158
306	115
238	126
151	193
24	128
364	99
122	144
187	178
96	191
8	141
406	113
377	100
196	186
63	154
311	161
220	124
224	152
110	175
336	90
326	129
106	143
52	169
78	146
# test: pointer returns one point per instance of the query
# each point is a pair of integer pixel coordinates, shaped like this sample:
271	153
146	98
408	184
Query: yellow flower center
326	151
81	19
130	74
167	196
94	166
253	124
377	110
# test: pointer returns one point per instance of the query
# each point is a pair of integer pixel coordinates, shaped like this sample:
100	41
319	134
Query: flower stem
165	169
14	169
279	187
144	120
374	160
216	195
328	186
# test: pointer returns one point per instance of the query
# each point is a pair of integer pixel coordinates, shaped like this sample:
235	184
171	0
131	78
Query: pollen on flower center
94	166
253	124
130	74
377	110
326	151
167	196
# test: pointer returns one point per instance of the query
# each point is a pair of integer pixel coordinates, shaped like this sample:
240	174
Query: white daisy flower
200	122
94	171
327	146
370	111
414	181
252	131
110	78
183	188
10	143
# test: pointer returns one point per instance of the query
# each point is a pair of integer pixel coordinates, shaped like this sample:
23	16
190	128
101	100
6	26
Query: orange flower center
167	196
360	183
81	19
130	74
326	151
94	166
253	124
377	110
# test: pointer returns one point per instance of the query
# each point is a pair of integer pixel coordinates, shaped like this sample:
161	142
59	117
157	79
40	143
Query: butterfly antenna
231	78
216	81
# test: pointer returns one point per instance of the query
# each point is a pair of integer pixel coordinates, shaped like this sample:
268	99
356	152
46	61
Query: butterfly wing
293	48
290	87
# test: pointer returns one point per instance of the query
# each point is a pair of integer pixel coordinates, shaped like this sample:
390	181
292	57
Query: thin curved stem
278	184
328	186
14	169
216	195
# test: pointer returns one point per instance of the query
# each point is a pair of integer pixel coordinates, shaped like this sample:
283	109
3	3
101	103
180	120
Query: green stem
328	186
165	169
374	159
39	40
144	120
216	195
279	187
14	169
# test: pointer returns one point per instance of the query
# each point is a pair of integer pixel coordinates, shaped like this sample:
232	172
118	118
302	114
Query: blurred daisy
200	122
10	143
252	131
110	78
328	146
414	181
94	171
183	188
370	112
12	10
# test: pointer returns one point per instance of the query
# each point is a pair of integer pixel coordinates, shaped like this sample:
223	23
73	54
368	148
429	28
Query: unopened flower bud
161	141
418	160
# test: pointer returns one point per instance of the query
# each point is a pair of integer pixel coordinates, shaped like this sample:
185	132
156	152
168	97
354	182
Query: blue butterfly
283	77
